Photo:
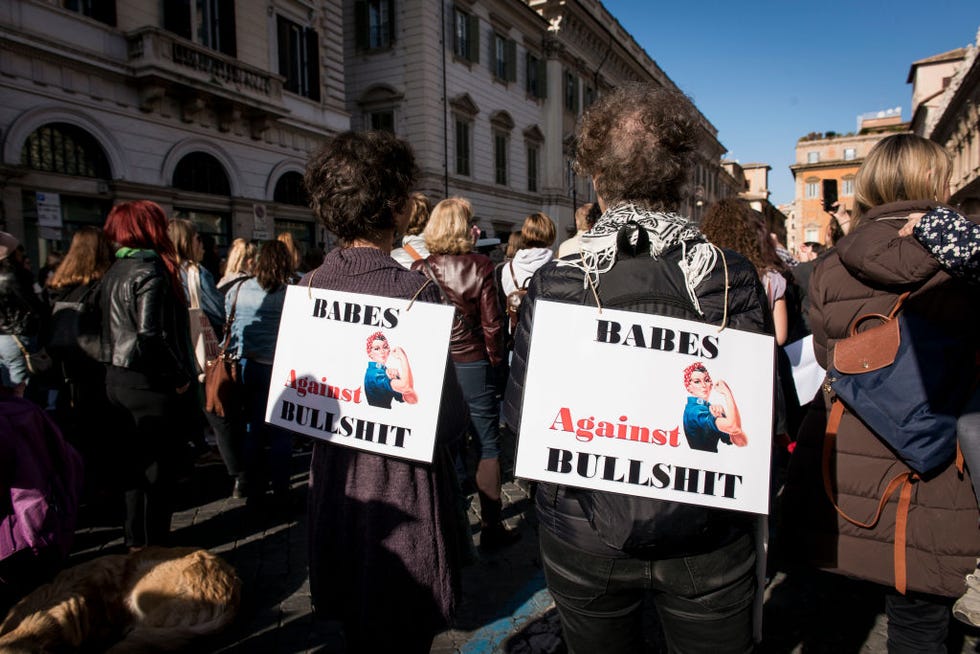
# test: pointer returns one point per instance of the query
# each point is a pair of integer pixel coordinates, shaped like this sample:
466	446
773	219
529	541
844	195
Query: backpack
515	297
44	481
640	526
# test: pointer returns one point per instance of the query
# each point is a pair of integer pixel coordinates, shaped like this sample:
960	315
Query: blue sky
768	72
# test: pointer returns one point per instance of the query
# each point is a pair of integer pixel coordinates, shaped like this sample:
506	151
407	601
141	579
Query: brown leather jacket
467	281
865	274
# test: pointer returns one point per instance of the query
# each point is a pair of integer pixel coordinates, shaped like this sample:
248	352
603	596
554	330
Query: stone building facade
946	109
489	94
824	172
210	108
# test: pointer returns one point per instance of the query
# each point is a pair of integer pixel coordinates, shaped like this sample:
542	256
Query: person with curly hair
386	539
731	223
604	554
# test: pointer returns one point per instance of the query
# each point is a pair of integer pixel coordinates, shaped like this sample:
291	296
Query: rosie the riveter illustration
704	423
388	376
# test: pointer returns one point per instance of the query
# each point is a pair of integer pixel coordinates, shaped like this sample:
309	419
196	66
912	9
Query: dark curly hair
639	142
732	224
358	181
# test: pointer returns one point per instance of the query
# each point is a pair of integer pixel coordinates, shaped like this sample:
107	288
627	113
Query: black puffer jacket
145	327
686	528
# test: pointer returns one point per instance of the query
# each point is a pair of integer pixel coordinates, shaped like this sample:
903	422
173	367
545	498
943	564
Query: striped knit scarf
598	245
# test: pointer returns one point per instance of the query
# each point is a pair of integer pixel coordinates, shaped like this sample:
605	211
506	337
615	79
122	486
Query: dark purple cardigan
384	532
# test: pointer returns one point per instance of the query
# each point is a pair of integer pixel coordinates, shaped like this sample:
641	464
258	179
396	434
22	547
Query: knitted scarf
598	245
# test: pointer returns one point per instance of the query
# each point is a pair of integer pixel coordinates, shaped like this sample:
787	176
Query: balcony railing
158	55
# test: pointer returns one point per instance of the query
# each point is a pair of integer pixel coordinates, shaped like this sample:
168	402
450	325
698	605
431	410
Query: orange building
824	172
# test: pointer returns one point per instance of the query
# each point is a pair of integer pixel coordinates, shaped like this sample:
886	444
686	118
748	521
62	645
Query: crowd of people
388	535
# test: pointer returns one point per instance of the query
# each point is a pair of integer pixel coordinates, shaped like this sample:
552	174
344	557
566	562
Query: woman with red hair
147	350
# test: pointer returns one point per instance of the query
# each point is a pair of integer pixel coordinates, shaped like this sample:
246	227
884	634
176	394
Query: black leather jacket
468	283
688	528
145	326
21	311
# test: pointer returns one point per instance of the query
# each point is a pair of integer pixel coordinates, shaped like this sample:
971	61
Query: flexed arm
730	421
403	382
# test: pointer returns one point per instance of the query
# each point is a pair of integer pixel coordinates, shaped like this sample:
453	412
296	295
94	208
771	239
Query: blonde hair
901	167
241	255
448	230
287	239
538	231
420	214
183	232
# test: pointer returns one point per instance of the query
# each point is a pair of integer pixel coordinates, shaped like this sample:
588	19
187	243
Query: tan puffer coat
865	274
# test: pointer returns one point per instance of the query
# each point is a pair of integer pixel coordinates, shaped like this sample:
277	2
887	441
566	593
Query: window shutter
313	63
575	99
391	22
226	27
474	34
282	41
177	17
511	50
542	78
104	11
361	25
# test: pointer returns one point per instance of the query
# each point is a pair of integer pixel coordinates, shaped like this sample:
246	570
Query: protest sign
360	370
649	406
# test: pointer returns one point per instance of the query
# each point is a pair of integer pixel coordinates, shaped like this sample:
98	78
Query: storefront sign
648	406
48	210
360	370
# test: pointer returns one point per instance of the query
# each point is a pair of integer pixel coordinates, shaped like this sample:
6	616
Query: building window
813	157
374	24
299	58
847	186
208	22
504	62
103	11
812	190
500	158
65	149
466	36
811	234
200	172
383	120
571	91
462	146
536	74
589	97
533	153
850	154
290	190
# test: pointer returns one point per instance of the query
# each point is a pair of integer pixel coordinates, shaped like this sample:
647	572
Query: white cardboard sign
360	370
616	401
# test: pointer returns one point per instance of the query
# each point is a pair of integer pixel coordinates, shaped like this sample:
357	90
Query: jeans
704	602
968	435
477	383
916	625
13	366
256	380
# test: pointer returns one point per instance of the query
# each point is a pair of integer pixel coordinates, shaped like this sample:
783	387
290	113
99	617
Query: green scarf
131	253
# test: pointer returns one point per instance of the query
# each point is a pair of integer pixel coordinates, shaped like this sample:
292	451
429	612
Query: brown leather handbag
222	389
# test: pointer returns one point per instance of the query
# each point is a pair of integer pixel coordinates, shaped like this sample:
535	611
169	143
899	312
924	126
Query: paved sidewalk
504	608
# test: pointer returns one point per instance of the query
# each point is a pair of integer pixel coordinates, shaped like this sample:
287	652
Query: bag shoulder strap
443	295
193	286
519	287
231	314
412	252
902	482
